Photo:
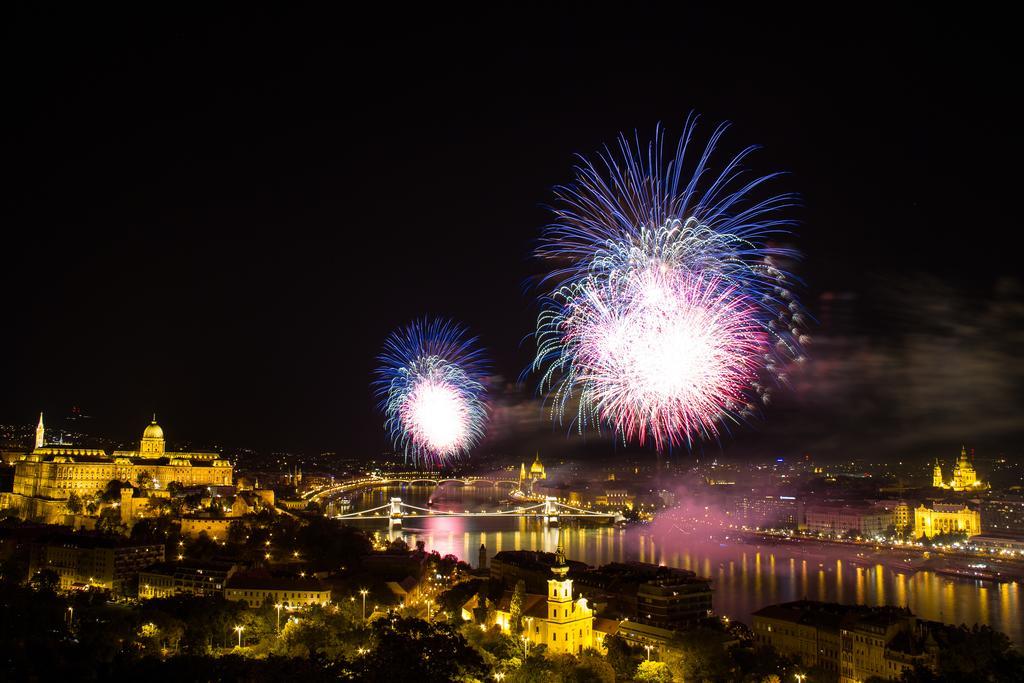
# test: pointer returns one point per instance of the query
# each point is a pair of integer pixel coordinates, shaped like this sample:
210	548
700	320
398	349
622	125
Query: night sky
219	217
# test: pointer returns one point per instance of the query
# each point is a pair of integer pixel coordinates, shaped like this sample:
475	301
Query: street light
800	678
278	608
363	592
648	648
239	630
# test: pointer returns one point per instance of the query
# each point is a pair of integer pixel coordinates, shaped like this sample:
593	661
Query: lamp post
363	592
800	678
71	616
239	629
278	608
648	648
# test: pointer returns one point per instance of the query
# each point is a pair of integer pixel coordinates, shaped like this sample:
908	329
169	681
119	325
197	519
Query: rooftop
261	580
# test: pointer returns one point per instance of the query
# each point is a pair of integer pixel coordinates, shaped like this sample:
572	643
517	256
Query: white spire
40	432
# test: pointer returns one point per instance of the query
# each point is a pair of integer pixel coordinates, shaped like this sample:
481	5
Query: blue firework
430	385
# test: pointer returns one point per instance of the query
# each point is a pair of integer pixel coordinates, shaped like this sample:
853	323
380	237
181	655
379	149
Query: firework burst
430	387
668	314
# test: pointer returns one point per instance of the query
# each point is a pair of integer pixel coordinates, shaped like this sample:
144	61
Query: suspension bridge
322	493
549	511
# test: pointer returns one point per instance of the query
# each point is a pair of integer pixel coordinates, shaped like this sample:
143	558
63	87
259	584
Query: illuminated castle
45	478
965	477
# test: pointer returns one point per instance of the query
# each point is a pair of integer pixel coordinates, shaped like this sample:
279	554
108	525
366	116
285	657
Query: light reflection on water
745	577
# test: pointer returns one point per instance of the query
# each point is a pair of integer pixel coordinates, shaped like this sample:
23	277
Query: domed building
152	445
45	478
965	477
536	473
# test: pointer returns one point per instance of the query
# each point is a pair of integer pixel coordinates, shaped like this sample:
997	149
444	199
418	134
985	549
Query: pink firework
436	416
661	353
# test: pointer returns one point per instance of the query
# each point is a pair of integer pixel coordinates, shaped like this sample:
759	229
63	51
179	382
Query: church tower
40	433
482	557
559	587
937	475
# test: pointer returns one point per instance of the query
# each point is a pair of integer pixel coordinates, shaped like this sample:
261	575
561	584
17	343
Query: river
745	577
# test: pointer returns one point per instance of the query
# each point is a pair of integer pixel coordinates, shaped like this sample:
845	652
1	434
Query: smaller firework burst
431	390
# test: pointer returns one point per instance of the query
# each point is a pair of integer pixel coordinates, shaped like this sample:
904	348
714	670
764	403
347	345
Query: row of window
554	636
269	594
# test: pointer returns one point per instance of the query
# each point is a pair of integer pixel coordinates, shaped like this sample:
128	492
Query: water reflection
745	577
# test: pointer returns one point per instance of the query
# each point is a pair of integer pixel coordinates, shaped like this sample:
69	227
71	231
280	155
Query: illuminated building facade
167	579
944	518
1004	514
866	521
851	642
83	561
47	476
257	588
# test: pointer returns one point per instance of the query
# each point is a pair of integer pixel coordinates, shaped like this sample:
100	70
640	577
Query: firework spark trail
668	313
430	387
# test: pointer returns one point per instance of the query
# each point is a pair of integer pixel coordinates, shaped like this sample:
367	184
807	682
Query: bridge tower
395	514
550	511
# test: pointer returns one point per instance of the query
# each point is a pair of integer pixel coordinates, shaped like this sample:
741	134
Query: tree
238	532
621	657
594	668
45	580
398	546
979	653
516	607
699	654
155	530
110	522
74	504
653	672
112	491
144	479
412	649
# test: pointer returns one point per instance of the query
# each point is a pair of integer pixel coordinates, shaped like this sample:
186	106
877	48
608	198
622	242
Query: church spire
561	567
40	432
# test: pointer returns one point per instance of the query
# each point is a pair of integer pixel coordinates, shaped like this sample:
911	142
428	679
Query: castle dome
153	430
